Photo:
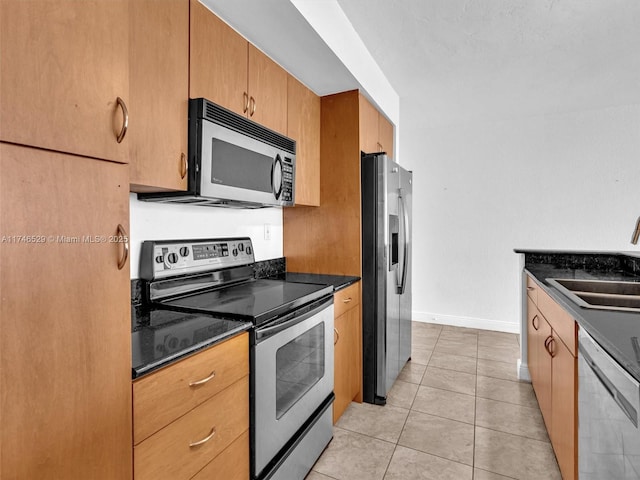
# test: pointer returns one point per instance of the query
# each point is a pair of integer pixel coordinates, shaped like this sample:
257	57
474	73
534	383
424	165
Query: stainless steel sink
601	294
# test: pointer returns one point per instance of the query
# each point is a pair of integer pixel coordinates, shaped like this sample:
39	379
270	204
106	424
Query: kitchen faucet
636	232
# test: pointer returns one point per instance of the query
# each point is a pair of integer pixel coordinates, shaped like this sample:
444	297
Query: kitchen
569	162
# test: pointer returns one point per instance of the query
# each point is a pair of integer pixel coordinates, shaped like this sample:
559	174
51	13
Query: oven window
299	366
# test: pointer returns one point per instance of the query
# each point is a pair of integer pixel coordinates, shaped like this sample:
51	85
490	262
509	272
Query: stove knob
184	251
248	250
159	259
235	252
241	247
173	258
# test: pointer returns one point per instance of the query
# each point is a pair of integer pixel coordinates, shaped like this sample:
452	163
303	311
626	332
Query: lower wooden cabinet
65	317
348	349
207	434
554	374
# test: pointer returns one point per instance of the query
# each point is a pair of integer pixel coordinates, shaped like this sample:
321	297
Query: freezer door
404	288
390	323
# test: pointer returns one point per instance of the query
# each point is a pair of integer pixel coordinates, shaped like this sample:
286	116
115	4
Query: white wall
565	181
156	221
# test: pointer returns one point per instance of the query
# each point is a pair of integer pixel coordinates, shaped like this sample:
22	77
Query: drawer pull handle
347	300
204	440
337	336
203	381
184	166
530	289
533	322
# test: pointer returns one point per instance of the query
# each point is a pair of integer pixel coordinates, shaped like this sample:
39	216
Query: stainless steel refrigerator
386	273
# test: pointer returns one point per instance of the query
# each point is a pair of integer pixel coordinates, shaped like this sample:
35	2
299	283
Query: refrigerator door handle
405	256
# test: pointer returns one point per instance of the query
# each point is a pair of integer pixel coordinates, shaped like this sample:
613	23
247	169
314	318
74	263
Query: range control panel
162	259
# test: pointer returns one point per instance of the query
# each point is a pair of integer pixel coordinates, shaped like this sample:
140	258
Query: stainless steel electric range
291	341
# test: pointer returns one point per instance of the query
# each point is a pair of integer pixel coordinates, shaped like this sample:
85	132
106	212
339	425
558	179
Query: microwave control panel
162	259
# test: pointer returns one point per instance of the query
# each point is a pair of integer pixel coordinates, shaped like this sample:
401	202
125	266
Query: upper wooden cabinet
65	348
63	66
226	69
159	91
376	132
304	127
218	68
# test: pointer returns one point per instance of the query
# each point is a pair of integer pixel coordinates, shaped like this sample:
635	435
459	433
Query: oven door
292	376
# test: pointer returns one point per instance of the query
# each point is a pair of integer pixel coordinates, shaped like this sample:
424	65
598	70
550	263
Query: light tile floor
456	412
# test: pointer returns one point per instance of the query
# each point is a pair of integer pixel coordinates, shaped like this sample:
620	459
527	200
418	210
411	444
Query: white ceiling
478	60
454	61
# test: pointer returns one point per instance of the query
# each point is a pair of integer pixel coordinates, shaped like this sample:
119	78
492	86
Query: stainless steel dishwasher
608	406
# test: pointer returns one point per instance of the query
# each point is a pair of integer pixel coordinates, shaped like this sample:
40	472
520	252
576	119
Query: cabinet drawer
161	397
171	454
532	289
561	322
346	298
231	464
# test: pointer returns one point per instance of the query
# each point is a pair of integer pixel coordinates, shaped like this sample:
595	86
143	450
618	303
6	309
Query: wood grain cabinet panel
267	91
159	91
231	464
385	135
65	348
564	421
184	447
346	298
369	128
347	360
63	65
226	69
348	349
218	65
165	395
554	374
303	125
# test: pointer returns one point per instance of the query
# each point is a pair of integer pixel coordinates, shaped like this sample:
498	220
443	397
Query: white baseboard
523	371
468	322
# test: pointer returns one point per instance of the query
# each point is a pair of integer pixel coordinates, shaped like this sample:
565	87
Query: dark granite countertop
337	281
613	330
161	337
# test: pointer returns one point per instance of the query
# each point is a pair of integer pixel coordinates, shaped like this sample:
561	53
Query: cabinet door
303	125
368	127
564	406
63	65
346	371
65	348
542	386
534	320
268	91
159	91
217	61
385	135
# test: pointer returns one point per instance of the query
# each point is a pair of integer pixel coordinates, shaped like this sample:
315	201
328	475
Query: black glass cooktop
257	301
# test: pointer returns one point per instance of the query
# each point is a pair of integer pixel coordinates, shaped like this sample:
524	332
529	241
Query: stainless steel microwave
234	162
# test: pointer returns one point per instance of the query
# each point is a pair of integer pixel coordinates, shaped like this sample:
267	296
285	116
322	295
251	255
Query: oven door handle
262	333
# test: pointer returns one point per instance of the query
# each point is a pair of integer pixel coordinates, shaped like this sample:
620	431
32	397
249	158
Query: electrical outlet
267	231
